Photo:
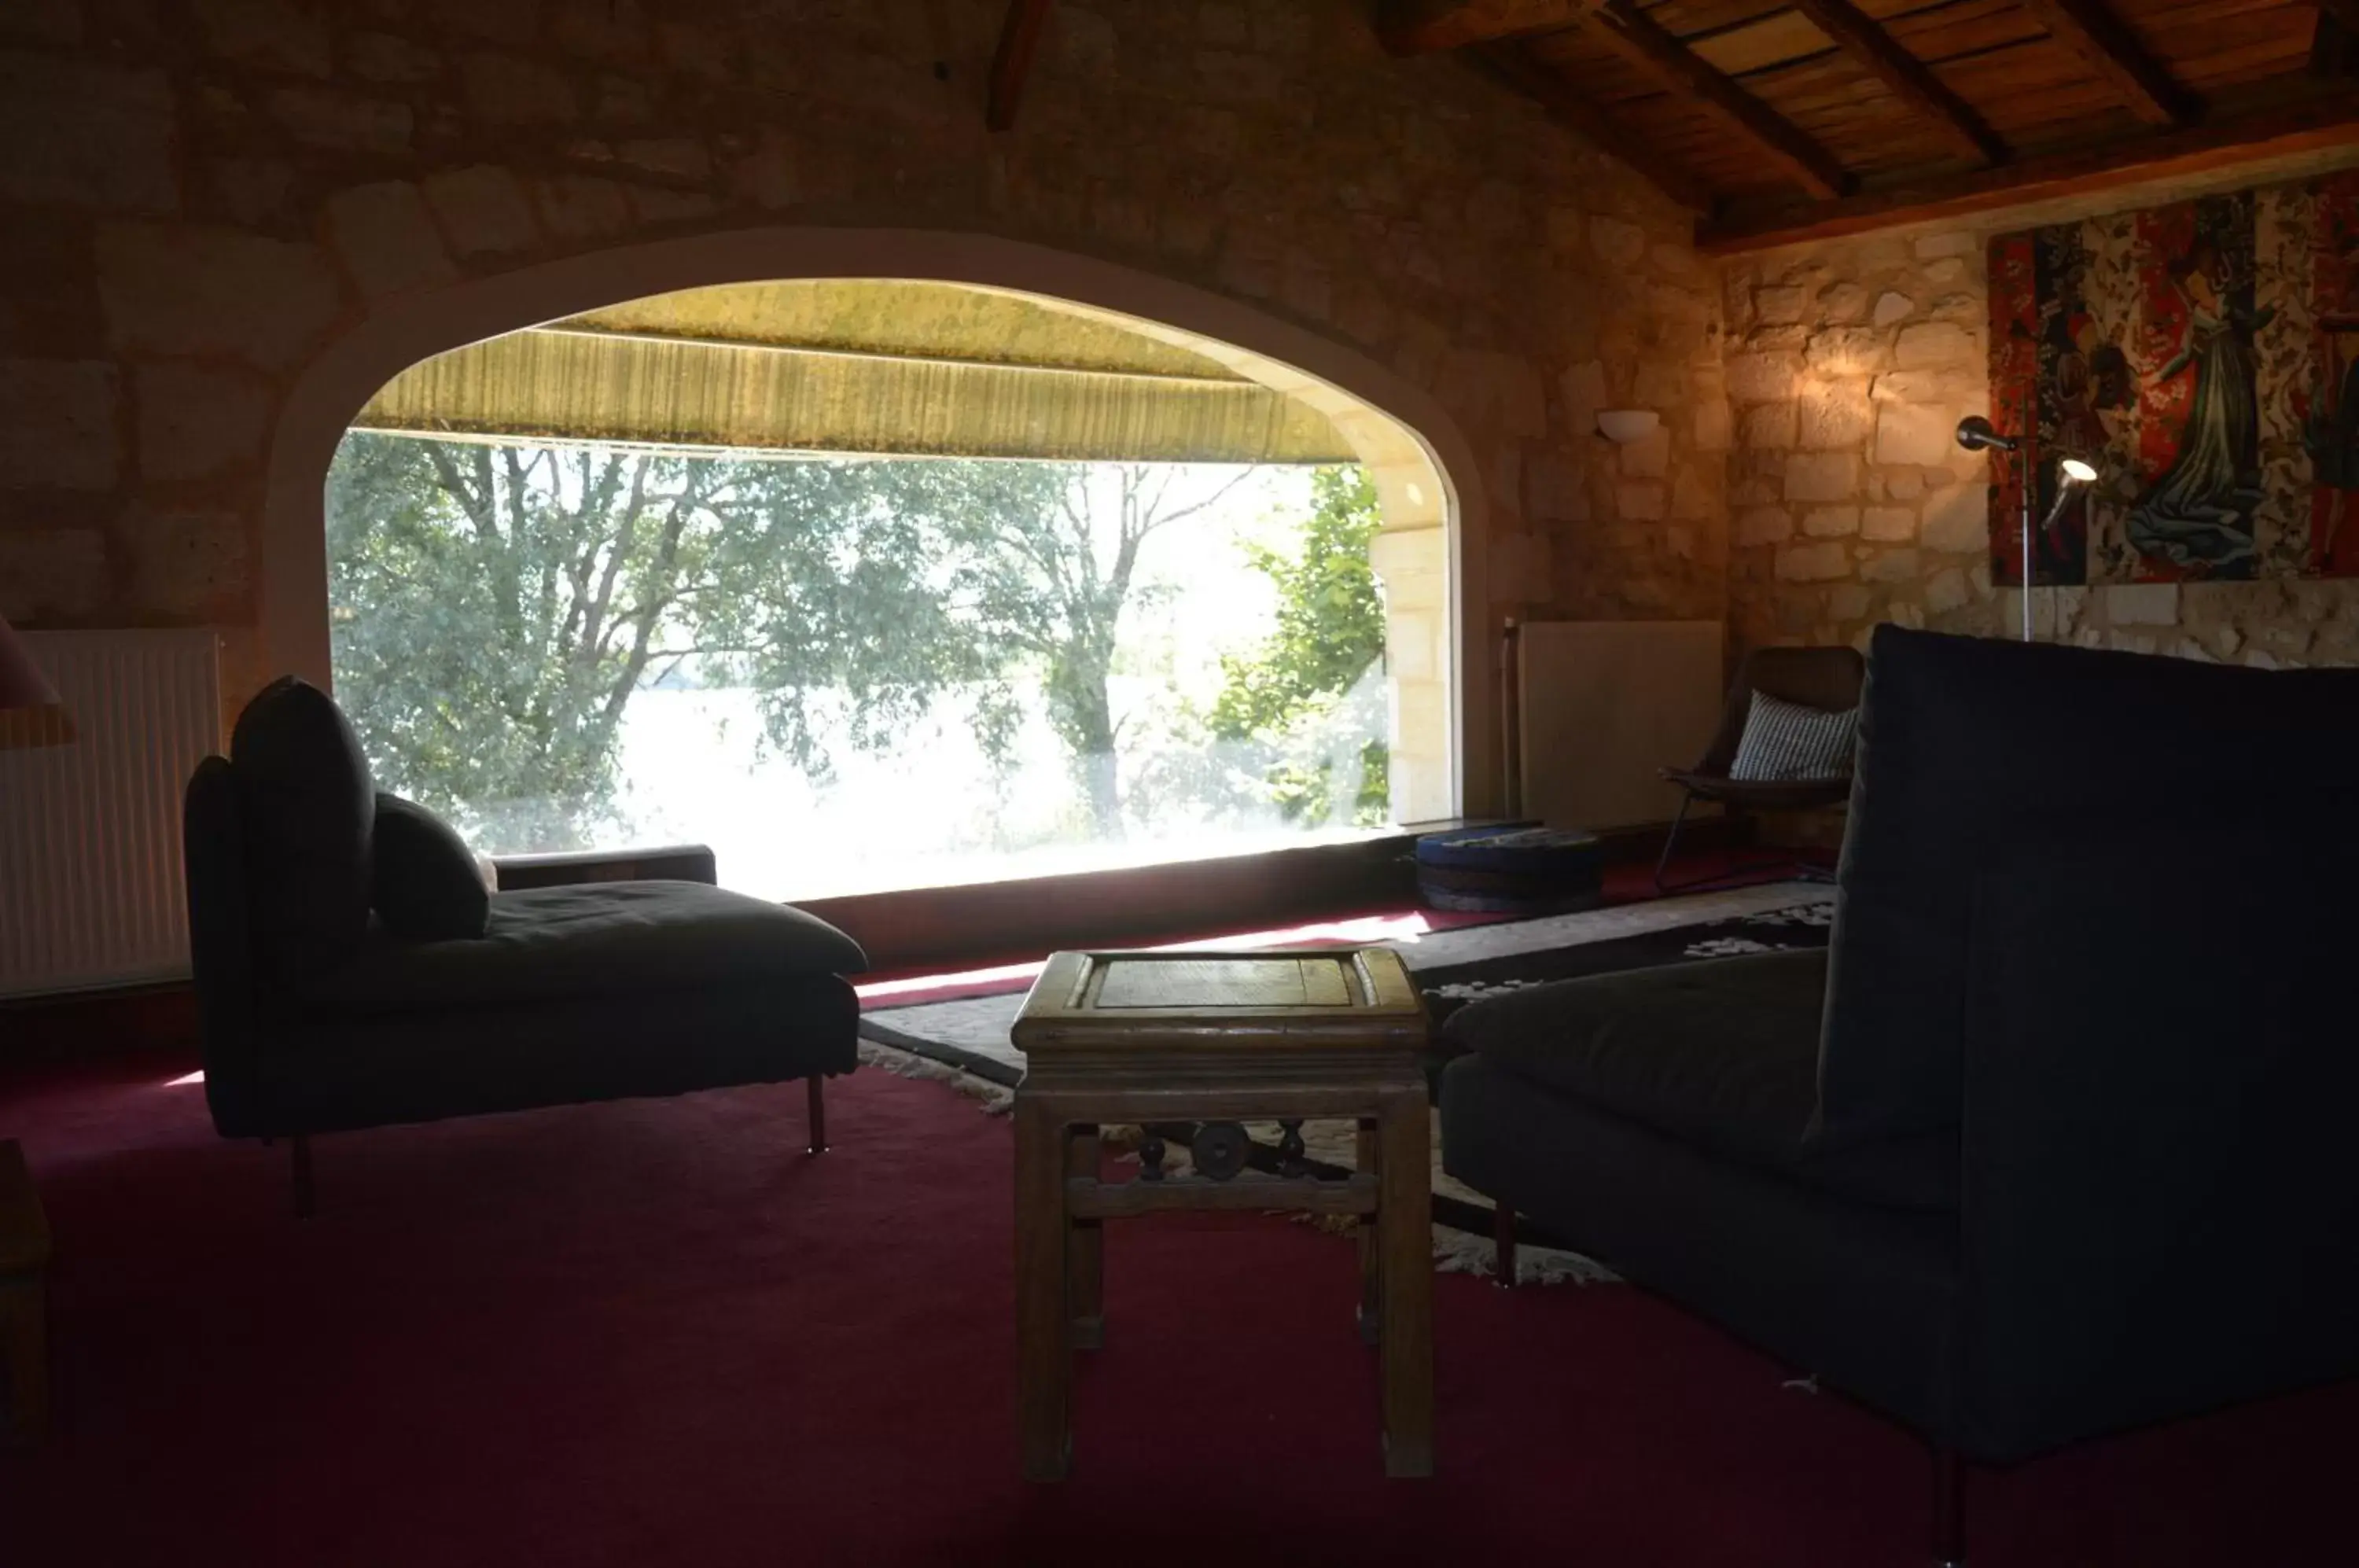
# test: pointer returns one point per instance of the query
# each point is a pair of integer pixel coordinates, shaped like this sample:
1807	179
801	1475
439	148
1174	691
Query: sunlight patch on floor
1363	930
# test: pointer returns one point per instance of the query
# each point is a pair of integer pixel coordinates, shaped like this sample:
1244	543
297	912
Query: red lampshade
30	714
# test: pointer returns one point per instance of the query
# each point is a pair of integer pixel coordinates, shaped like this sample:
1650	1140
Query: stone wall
1850	502
197	195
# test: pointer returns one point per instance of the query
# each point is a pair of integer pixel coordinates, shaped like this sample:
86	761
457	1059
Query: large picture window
850	674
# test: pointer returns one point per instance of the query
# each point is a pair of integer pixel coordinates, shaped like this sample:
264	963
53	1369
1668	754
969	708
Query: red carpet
656	1333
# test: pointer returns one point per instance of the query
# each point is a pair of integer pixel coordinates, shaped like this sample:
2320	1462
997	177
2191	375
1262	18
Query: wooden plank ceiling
1781	120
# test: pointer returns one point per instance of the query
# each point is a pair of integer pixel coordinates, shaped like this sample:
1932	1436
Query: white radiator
91	888
1604	705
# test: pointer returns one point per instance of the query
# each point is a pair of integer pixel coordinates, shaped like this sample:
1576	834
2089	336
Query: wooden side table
1216	1039
24	1312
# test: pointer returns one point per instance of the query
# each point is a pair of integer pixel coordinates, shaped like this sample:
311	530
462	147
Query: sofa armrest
2161	1184
671	863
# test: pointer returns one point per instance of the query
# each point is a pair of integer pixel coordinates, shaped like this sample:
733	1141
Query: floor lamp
1978	434
30	713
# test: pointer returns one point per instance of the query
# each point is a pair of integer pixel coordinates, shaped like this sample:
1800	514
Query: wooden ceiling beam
1019	39
2326	123
1642	41
1424	26
1910	80
1512	66
2089	30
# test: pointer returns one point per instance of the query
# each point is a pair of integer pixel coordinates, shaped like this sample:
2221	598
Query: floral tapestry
2203	357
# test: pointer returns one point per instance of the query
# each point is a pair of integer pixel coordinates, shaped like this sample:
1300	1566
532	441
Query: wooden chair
1825	678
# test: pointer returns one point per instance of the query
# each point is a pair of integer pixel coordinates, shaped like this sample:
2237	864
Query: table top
1304	996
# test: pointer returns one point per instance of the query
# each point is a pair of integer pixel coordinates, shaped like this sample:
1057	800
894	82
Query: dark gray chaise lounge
315	1018
2057	1138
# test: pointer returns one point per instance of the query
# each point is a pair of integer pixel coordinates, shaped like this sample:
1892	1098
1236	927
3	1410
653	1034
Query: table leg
1371	1307
1085	1248
1043	1362
25	1345
1405	1239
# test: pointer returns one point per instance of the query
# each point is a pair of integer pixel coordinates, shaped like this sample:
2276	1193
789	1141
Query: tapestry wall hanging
2204	357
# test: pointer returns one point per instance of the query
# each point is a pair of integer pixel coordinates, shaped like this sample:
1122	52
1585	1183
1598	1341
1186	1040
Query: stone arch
1424	469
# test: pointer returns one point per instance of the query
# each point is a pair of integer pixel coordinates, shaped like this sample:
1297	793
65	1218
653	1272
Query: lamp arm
2063	499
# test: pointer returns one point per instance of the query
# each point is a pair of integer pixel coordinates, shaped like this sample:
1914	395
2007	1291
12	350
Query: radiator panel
91	891
1604	705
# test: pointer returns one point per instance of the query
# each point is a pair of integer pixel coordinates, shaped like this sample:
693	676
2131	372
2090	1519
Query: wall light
1623	426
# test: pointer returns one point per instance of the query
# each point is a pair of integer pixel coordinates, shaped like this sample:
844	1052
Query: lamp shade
30	713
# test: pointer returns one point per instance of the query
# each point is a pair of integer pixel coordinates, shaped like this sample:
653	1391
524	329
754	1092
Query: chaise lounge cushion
426	885
308	808
387	1068
601	938
1723	1055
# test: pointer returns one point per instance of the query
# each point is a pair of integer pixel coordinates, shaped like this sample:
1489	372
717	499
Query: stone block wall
1850	365
196	196
1850	502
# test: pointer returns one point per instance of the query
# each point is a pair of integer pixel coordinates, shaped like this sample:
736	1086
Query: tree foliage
1054	582
497	605
1329	637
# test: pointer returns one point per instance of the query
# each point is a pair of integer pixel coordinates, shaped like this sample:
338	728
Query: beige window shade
880	367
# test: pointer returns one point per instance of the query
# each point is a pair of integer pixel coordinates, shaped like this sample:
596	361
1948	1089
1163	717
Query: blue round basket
1530	871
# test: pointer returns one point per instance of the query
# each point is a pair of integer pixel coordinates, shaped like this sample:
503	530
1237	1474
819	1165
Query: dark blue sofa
2056	1139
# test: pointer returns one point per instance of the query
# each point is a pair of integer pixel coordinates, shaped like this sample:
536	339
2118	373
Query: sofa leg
1948	1509
1503	1239
299	1149
818	1113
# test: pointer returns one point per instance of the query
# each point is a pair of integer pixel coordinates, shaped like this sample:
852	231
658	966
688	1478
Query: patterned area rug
1452	986
1453	967
966	1042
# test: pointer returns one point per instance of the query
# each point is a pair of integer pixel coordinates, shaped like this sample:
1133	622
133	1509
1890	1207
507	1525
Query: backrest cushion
1968	746
428	885
1827	679
309	808
1785	740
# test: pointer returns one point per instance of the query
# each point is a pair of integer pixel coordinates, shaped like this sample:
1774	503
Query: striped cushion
1785	740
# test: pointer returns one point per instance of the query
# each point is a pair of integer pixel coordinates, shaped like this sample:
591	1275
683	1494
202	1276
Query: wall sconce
1623	426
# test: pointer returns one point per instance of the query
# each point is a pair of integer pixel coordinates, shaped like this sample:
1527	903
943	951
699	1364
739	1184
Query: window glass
852	674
